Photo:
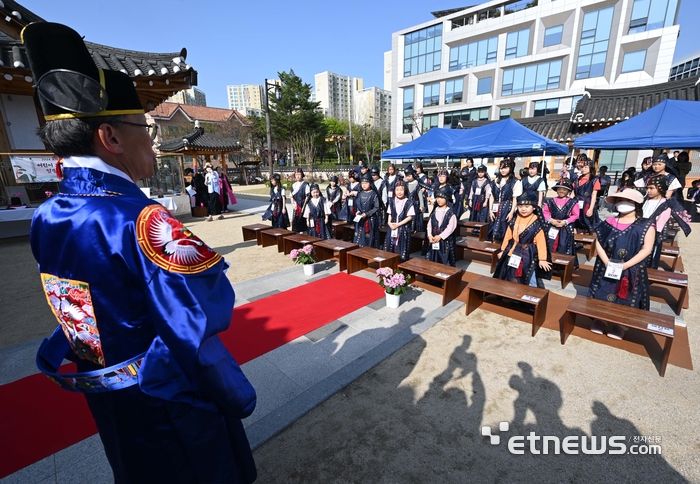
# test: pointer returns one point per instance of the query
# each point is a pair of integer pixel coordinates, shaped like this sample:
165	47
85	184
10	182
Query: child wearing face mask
624	243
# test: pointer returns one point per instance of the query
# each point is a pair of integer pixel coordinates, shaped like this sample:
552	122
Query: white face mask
624	207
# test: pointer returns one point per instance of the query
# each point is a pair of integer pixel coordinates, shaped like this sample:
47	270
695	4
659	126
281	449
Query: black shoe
578	246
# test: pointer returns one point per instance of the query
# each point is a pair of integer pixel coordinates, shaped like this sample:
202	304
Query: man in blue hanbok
138	297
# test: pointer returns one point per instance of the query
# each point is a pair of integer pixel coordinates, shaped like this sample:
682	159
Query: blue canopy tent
669	124
504	138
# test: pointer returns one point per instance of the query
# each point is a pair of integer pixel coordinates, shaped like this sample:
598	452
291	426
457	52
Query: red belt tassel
519	270
556	242
623	290
367	226
297	211
478	206
318	227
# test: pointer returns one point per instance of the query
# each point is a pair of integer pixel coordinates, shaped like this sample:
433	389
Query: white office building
191	96
244	97
336	93
517	59
373	108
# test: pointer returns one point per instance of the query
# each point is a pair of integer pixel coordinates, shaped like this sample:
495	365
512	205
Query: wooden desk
327	249
360	259
297	241
348	231
671	237
487	248
673	279
252	232
639	319
274	237
533	296
588	241
451	276
567	263
337	228
674	253
467	228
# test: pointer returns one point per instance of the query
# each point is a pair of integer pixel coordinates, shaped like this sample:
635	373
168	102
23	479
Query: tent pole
544	153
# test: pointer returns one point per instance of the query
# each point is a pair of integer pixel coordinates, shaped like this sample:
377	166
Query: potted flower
305	256
394	283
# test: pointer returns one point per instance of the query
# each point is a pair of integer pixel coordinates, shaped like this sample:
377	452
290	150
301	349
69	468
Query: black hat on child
67	81
526	200
482	168
374	170
441	193
365	178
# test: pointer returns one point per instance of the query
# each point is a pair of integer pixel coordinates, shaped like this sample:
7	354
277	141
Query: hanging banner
34	169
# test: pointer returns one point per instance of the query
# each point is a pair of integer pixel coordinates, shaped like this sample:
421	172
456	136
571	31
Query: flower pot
393	300
309	269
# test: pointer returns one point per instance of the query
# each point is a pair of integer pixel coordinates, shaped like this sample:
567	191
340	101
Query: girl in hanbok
659	166
317	214
334	196
352	189
300	193
441	230
623	243
367	215
480	197
560	213
415	194
390	181
401	212
524	256
277	211
226	196
586	189
506	189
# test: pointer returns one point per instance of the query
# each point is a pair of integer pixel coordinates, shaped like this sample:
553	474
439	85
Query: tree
337	134
368	139
294	115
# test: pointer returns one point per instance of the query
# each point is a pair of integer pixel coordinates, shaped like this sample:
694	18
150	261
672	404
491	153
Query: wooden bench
467	229
588	241
672	252
566	262
298	241
337	228
671	237
478	246
451	277
651	322
252	232
673	279
274	237
533	296
360	259
332	248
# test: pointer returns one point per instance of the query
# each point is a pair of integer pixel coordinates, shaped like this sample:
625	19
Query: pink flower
307	249
294	254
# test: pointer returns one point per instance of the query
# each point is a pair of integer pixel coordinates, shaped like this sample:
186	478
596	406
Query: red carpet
37	418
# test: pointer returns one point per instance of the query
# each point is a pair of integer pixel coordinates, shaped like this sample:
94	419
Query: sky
244	42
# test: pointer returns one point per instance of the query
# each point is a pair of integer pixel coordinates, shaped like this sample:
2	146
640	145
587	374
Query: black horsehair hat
526	200
68	83
365	178
441	193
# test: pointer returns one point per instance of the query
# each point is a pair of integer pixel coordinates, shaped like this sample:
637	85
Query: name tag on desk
678	281
514	261
613	271
379	259
440	274
530	298
660	329
553	233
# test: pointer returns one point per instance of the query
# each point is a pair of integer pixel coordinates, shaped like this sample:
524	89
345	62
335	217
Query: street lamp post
278	96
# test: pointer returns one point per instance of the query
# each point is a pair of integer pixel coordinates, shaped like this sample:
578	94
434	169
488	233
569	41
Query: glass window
408	109
453	91
546	106
537	77
430	121
615	160
593	49
514	112
552	35
574	101
517	43
473	54
451	119
431	94
652	14
422	51
634	61
484	85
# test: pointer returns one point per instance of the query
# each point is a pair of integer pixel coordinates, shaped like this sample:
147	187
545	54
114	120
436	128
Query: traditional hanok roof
201	142
610	106
156	76
198	113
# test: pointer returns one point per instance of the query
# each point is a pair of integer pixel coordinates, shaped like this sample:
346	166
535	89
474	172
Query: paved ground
413	415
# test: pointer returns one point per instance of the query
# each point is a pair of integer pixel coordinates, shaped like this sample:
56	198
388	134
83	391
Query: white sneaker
209	218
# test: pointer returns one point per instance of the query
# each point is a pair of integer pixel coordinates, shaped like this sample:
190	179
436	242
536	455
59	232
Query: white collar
95	163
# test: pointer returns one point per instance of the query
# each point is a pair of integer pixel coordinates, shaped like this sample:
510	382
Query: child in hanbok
524	256
560	213
506	188
533	184
480	197
586	189
623	243
277	211
317	214
334	196
401	212
352	189
441	230
367	215
300	193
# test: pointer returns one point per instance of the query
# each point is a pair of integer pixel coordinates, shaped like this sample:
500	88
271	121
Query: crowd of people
527	223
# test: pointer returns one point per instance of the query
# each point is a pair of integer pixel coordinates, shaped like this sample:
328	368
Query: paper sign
660	329
678	281
530	298
613	271
190	191
514	261
553	233
440	274
357	218
34	169
436	246
379	259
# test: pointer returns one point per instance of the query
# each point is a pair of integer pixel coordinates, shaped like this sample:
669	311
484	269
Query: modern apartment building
373	108
245	96
524	59
336	93
191	96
